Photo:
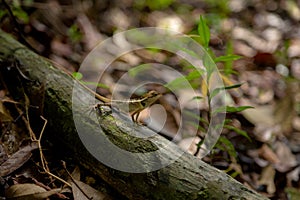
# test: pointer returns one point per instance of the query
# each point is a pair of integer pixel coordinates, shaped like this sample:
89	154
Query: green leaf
197	98
238	131
230	109
138	69
226	145
184	81
2	14
227	121
177	83
195	116
227	58
196	126
77	75
186	50
204	33
74	33
217	90
235	174
233	86
194	74
158	4
209	65
21	14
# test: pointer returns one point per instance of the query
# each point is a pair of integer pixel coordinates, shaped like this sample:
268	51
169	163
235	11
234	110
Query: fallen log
185	178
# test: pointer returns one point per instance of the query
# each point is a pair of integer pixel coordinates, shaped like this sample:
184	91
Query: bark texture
187	178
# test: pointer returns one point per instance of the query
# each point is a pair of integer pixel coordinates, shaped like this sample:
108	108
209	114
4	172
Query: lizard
133	106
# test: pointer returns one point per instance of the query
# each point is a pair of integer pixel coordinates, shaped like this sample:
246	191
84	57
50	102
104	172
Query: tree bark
186	178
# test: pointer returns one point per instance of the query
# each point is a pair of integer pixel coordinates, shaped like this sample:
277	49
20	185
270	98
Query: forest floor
265	33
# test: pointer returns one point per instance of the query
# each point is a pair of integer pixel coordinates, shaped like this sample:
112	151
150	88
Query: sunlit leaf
194	74
197	98
231	109
77	75
227	58
204	33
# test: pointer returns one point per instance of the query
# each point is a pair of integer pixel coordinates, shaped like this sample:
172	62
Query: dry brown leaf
287	159
293	176
259	115
267	153
267	178
4	115
17	159
88	190
189	144
76	173
28	191
3	154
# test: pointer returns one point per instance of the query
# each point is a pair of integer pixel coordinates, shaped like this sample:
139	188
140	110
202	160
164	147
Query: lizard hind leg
135	115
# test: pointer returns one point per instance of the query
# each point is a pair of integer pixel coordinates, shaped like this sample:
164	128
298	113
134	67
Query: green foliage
230	109
238	131
138	69
78	76
17	11
152	4
226	58
74	33
2	14
229	62
21	14
219	6
203	38
226	145
218	90
185	81
204	33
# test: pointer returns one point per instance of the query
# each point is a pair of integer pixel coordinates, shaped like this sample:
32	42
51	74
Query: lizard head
150	97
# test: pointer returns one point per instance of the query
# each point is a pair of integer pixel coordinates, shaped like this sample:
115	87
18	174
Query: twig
43	160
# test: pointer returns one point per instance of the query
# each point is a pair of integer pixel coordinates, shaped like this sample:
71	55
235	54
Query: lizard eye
153	93
143	103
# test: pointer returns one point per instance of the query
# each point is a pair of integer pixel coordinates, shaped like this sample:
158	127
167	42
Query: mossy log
51	89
